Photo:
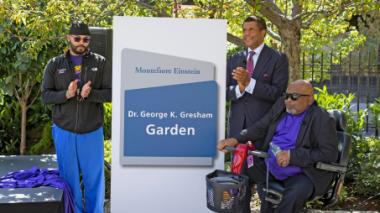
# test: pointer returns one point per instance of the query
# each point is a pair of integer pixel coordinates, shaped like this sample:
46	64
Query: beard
291	111
78	50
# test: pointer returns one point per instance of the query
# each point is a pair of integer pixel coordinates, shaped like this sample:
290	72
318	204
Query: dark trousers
256	175
298	189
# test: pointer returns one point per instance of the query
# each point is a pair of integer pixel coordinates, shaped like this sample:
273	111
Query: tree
26	40
325	19
294	25
32	31
297	25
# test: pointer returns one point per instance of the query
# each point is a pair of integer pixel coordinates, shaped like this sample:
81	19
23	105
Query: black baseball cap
79	28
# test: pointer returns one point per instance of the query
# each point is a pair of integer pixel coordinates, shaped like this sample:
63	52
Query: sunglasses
294	96
84	39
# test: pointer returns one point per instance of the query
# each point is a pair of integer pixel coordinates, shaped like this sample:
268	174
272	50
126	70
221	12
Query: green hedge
363	173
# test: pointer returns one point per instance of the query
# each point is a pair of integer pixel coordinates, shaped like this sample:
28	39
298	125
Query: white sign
195	47
170	110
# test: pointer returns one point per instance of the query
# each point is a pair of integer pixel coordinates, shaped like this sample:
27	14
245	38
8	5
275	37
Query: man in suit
256	78
297	134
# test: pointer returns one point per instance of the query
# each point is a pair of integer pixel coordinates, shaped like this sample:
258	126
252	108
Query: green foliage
233	49
44	143
108	151
28	32
107	120
332	33
375	109
9	147
364	162
9	126
365	166
343	194
108	159
38	114
340	101
333	101
355	120
355	123
32	32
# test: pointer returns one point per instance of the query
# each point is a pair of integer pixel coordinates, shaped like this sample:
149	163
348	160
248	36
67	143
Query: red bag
240	155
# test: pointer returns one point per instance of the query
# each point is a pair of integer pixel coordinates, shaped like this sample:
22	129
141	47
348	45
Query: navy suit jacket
271	74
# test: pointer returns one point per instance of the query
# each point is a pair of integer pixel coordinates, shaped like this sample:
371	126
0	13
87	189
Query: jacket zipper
77	102
79	99
77	115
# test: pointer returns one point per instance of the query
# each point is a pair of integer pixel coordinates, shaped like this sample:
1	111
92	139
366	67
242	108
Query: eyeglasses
293	96
84	39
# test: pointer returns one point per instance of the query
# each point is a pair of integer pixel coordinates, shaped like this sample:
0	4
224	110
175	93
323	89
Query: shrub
9	125
364	163
367	160
45	143
340	101
108	151
107	120
375	109
333	101
108	159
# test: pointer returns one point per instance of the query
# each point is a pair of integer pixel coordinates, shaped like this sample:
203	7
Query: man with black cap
77	84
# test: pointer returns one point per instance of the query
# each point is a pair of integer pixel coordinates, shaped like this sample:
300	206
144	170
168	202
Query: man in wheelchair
297	134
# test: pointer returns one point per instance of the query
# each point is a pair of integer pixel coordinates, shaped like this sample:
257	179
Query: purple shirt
285	138
77	61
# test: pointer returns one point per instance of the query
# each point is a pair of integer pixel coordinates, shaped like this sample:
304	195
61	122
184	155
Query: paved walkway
340	211
255	208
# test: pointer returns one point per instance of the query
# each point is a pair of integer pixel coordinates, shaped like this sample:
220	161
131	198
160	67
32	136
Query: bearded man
77	84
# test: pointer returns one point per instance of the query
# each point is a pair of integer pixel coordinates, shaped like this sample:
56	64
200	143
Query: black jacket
316	141
76	114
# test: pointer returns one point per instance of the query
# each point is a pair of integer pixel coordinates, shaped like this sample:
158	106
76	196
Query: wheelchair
274	190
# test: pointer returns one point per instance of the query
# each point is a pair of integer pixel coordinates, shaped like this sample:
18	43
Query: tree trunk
235	40
293	50
291	38
24	110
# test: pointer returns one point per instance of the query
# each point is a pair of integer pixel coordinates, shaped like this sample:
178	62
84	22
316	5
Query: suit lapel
264	56
272	128
304	126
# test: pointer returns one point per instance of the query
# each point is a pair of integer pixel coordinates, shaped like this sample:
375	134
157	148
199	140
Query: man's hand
227	142
86	89
283	158
242	77
72	89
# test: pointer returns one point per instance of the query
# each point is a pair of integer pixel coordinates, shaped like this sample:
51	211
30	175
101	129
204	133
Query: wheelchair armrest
256	153
332	167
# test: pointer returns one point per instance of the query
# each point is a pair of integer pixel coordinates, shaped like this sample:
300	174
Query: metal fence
357	73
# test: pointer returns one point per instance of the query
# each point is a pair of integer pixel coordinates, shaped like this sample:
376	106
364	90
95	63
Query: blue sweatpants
82	154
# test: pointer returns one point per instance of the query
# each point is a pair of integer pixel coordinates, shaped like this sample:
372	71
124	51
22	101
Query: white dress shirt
252	82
